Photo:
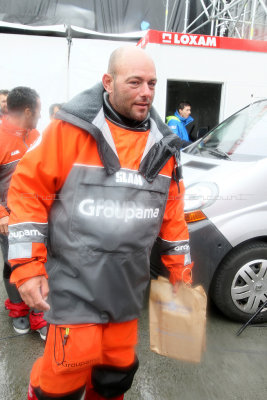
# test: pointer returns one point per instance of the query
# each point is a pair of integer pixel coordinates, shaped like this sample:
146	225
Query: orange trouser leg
114	376
72	351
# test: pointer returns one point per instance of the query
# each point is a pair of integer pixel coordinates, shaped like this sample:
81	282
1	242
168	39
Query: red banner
194	40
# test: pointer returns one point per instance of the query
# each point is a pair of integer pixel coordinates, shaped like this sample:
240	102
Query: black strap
158	156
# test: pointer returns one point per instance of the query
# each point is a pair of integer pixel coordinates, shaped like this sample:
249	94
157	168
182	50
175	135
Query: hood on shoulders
82	110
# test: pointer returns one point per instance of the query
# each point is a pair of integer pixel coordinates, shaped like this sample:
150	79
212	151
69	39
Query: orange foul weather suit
98	191
14	142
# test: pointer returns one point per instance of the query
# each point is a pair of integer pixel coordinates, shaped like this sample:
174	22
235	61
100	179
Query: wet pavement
232	368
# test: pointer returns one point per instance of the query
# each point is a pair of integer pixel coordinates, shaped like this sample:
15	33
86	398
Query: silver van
225	175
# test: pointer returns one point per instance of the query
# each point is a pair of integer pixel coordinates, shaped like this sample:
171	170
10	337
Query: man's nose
145	90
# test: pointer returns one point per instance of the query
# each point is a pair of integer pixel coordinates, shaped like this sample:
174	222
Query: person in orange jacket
17	134
103	185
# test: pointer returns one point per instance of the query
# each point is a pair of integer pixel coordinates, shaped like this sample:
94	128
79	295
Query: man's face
133	88
34	116
185	112
3	104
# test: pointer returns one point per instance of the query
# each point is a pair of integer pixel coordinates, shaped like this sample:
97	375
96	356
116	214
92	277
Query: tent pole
69	40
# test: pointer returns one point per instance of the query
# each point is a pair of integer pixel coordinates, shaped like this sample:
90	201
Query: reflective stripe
86	165
20	250
11	162
101	123
173	248
154	137
29	222
187	259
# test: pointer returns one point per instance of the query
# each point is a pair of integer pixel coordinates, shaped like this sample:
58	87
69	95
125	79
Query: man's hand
4	225
34	293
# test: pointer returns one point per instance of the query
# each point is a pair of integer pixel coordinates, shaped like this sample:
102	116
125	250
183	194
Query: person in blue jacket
180	120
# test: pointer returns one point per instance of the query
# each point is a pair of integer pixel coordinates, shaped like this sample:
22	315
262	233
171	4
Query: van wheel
239	286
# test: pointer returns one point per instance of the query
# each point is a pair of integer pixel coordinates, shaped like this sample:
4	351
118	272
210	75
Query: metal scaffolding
245	19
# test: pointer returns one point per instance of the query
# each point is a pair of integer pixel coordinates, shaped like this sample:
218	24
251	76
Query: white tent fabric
42	62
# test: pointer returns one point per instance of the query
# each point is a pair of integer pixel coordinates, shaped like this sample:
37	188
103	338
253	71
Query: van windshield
241	137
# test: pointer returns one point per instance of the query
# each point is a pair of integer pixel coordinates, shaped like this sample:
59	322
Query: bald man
82	255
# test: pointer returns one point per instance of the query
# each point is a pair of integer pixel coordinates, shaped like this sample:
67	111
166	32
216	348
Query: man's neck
17	121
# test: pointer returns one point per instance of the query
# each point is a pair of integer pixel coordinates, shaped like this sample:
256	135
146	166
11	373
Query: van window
241	137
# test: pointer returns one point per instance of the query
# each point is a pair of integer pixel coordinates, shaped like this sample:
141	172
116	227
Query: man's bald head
124	55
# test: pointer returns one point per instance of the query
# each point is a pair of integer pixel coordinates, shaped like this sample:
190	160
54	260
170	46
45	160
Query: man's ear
107	81
27	113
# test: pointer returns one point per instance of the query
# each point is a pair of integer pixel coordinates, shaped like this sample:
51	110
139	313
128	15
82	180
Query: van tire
239	274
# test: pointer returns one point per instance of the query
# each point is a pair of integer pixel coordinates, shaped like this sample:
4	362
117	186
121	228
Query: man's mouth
142	104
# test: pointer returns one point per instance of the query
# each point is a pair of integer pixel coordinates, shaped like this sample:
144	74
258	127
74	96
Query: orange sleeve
3	212
174	237
38	177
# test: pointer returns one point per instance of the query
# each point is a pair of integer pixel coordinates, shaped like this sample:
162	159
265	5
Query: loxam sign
204	41
188	40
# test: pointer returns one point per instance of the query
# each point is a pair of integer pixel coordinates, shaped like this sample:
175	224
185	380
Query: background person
180	120
3	103
17	134
111	160
53	109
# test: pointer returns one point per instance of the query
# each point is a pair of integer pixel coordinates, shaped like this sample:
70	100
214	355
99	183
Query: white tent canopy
57	67
60	61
